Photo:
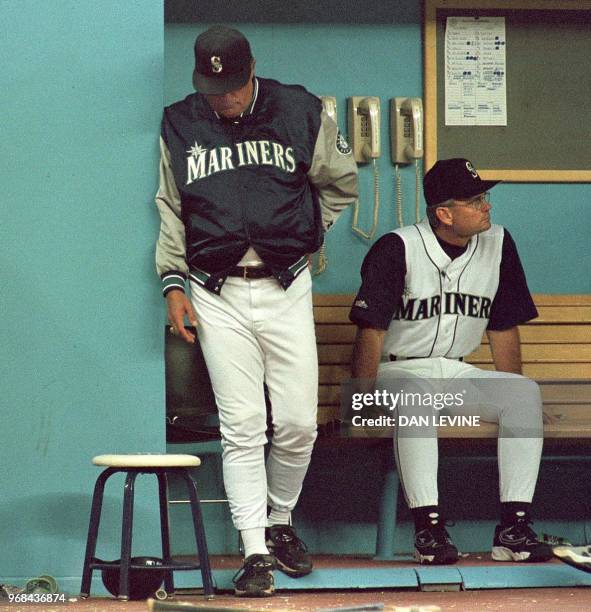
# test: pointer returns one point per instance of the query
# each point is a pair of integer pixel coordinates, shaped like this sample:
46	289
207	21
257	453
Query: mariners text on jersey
464	304
202	162
451	320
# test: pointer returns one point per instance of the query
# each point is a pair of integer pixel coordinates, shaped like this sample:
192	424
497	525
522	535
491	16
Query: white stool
161	466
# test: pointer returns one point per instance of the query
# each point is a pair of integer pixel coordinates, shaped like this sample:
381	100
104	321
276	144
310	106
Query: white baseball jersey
435	300
445	306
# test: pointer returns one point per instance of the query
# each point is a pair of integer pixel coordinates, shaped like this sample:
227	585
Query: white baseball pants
514	402
255	331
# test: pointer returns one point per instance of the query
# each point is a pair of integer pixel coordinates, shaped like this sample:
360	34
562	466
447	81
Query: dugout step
439	578
338	572
516	575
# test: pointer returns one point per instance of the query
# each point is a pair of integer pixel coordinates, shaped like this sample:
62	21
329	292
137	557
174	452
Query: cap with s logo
222	61
453	179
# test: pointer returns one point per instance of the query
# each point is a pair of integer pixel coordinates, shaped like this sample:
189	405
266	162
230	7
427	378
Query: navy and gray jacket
272	180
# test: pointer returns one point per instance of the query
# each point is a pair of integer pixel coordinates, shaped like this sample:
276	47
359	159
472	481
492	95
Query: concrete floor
550	599
540	600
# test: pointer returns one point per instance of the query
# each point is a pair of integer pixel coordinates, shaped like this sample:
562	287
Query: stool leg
199	535
126	532
93	527
165	529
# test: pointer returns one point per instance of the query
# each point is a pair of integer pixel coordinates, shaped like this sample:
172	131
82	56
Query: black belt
400	358
250	272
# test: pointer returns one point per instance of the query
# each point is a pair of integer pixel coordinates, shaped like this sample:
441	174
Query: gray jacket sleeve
333	171
171	263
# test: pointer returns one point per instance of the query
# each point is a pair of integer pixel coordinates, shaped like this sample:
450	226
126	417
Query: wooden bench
556	352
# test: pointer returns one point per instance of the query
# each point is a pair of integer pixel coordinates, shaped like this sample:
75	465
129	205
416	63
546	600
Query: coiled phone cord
376	206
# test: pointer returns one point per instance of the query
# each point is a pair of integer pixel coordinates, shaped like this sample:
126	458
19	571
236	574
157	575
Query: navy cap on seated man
429	291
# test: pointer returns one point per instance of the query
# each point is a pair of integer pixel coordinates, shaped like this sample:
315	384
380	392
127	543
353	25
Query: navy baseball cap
453	179
222	61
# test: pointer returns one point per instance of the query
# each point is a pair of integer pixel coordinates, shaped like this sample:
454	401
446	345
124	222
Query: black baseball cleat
255	577
290	552
519	542
577	556
433	546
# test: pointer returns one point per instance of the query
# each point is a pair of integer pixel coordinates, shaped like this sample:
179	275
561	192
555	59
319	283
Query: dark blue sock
513	512
425	517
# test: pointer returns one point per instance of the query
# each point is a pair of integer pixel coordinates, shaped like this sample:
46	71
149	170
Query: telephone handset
406	140
329	104
364	127
364	135
406	129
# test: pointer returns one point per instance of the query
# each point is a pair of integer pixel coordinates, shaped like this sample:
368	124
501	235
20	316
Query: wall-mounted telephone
329	104
364	128
363	122
406	140
406	129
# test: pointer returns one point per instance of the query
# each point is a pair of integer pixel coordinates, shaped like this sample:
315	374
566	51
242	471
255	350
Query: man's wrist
173	281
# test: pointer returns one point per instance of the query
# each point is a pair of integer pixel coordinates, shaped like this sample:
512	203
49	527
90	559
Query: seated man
428	293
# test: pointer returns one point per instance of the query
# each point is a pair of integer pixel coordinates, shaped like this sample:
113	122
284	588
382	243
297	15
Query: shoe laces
285	535
256	566
438	533
522	527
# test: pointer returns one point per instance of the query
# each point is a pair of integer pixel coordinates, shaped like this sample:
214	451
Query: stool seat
148	460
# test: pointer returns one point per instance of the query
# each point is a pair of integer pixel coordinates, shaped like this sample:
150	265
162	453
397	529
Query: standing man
428	293
252	174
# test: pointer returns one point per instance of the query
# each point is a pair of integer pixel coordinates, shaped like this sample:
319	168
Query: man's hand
178	306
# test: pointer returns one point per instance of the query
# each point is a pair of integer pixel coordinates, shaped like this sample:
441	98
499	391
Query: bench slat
537	353
542	371
337	373
327	333
562	314
540	334
335	334
540	299
569	412
547	314
489	430
540	353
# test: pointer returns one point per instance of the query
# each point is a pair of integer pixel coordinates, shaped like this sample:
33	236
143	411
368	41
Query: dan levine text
435	420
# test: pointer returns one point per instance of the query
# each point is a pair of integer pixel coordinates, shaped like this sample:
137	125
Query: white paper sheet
475	71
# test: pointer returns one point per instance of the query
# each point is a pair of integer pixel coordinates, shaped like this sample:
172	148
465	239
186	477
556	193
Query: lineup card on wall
475	71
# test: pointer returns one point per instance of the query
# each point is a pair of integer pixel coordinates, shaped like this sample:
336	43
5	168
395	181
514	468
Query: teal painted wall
82	364
82	369
550	222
